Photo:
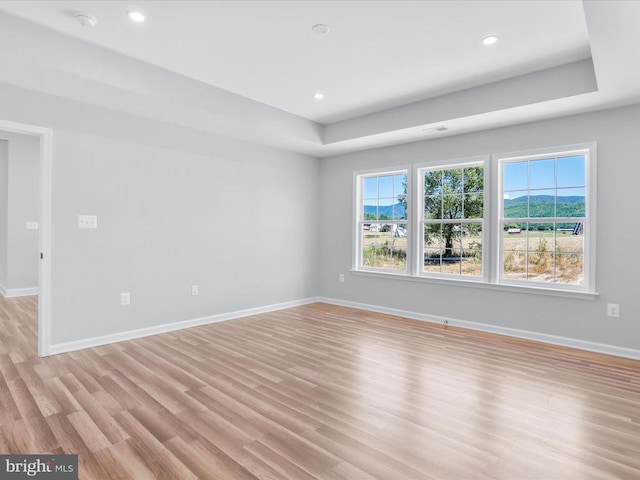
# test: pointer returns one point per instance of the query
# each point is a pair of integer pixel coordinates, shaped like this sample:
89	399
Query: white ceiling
377	54
391	71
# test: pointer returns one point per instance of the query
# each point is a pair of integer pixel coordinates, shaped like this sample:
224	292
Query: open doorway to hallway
25	227
19	214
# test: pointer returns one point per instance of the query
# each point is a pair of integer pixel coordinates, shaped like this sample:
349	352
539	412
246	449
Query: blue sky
566	175
386	189
539	177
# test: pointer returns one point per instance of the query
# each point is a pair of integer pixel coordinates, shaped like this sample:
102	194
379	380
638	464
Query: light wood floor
320	392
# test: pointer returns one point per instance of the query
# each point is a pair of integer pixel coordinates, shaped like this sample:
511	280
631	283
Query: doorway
44	226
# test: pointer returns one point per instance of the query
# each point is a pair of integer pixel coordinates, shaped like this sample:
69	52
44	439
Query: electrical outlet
32	225
613	310
194	290
341	278
87	221
125	298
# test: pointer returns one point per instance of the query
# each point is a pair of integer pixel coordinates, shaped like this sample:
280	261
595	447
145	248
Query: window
544	219
507	221
382	221
452	220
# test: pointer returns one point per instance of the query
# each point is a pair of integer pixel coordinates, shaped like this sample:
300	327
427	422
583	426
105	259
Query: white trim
483	327
492	227
470	282
44	271
455	164
589	150
170	327
358	220
18	292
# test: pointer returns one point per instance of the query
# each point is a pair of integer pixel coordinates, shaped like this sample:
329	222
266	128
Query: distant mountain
386	212
543	199
542	206
539	206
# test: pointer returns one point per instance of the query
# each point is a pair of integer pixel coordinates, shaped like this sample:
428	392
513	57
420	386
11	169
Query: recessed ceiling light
320	29
318	96
136	16
490	39
86	20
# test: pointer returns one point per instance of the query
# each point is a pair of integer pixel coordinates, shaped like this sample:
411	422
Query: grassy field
532	257
526	256
383	250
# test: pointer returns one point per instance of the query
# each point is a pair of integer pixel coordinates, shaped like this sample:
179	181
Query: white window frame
482	161
358	179
589	220
492	225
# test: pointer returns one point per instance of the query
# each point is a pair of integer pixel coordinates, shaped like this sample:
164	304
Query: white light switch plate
32	225
125	298
87	221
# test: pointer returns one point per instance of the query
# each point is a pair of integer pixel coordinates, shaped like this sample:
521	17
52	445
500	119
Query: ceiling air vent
435	130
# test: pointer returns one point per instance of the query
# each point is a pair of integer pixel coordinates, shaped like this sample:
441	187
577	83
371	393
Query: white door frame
44	227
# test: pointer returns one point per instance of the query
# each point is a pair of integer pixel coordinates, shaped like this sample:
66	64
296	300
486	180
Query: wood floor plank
279	463
345	471
127	461
92	436
47	404
153	453
365	457
204	465
23	399
66	435
307	455
9	411
163	425
320	392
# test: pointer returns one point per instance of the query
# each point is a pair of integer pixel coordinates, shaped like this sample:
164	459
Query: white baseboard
18	292
170	327
483	327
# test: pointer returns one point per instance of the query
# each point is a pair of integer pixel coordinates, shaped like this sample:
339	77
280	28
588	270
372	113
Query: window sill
478	284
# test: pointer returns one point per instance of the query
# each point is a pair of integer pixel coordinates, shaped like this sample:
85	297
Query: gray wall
4	210
175	207
618	262
24	206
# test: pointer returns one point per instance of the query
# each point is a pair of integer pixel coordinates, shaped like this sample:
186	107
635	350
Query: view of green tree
452	195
